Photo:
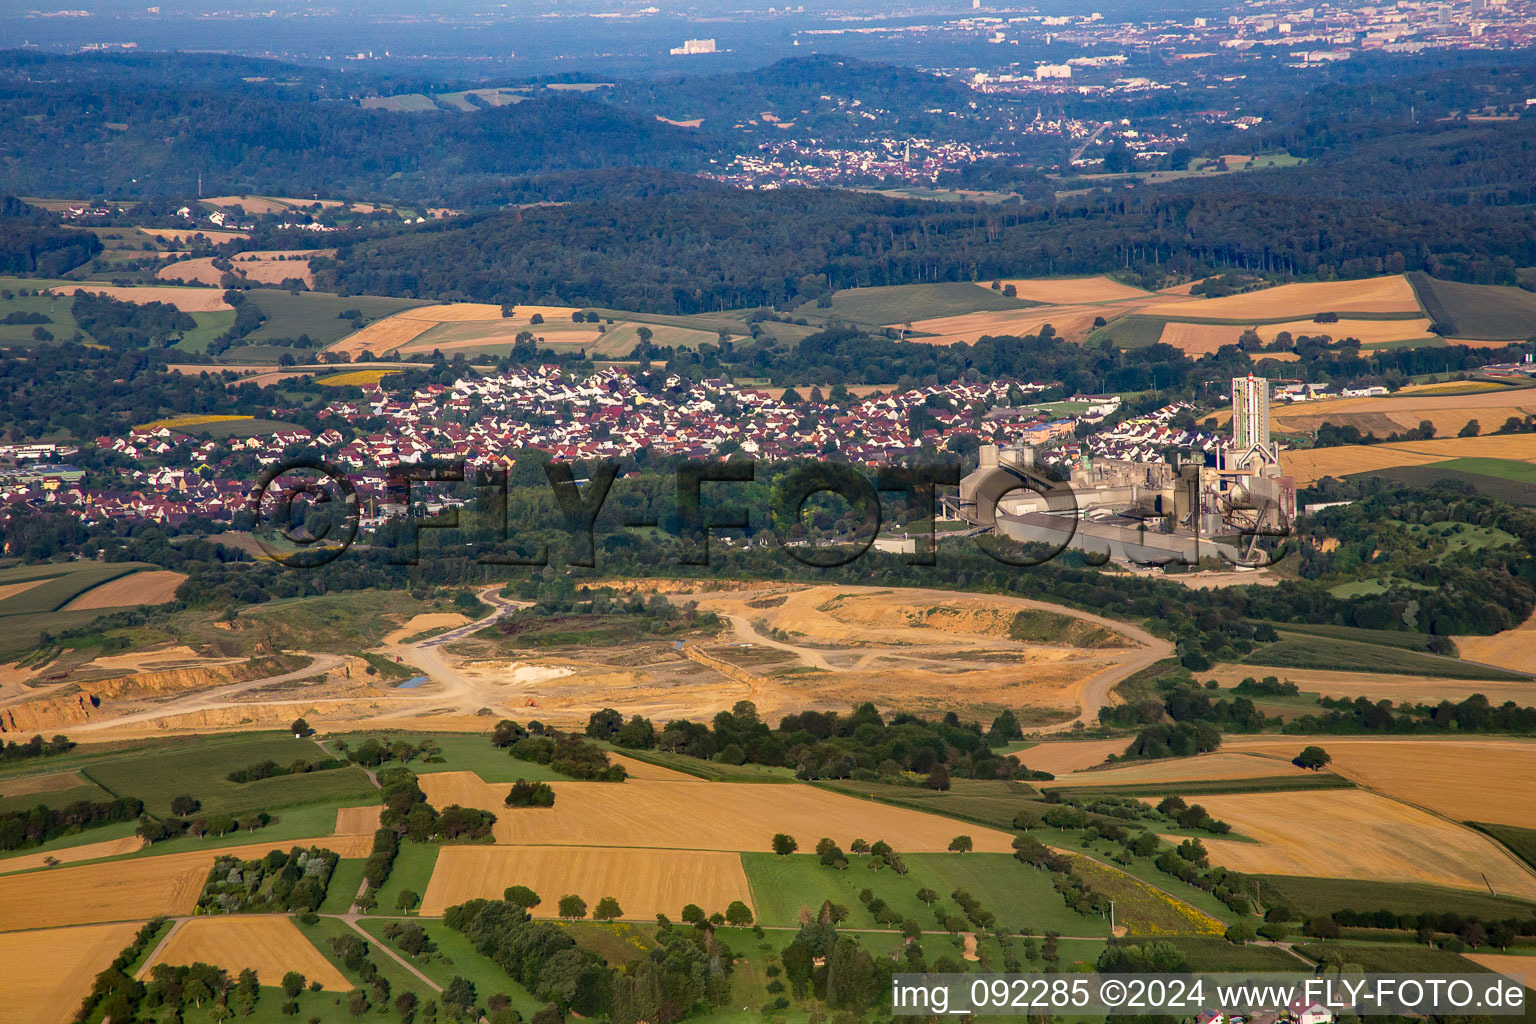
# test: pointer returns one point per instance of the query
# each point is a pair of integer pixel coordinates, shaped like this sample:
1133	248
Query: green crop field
412	870
897	304
1503	486
317	313
1521	841
1132	331
1402	638
1215	954
345	881
1311	896
1396	959
710	771
198	768
1503	469
1021	897
62	582
1484	311
1296	650
55	307
456	957
55	798
1211	787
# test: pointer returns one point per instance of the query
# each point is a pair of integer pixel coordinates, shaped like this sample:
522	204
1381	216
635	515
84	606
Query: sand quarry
790	648
786	648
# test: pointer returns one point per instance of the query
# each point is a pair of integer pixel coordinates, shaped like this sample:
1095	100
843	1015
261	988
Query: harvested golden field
1203	768
1356	834
48	972
182	234
650	772
1070	290
645	882
51	783
1511	965
267	266
700	816
1312	465
1073	323
154	587
1381	686
1201	339
382	336
1448	412
1198	339
1512	649
358	821
270	944
188	300
1065	756
12	589
479	334
110	891
71	854
1390	294
255	205
1474	779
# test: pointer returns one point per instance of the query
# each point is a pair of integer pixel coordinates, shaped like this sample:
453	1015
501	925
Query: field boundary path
154	954
350	920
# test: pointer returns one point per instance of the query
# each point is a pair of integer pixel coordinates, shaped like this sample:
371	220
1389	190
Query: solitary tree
1313	757
184	805
784	845
407	900
928	896
960	844
572	907
521	896
300	727
607	909
738	914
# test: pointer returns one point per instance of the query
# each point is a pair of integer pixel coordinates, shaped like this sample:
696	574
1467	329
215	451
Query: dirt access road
880	644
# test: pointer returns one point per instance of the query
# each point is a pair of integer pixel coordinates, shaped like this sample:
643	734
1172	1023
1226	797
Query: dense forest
149	126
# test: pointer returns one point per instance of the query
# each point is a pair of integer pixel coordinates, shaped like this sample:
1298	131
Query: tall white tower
1250	424
1250	412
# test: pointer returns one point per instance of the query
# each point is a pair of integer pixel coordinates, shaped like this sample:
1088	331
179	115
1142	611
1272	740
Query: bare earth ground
787	648
645	882
271	944
700	815
1357	834
1473	779
48	972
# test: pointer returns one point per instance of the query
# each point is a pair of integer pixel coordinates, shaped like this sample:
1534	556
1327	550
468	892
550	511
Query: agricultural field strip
269	943
1303	833
135	888
699	816
48	971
